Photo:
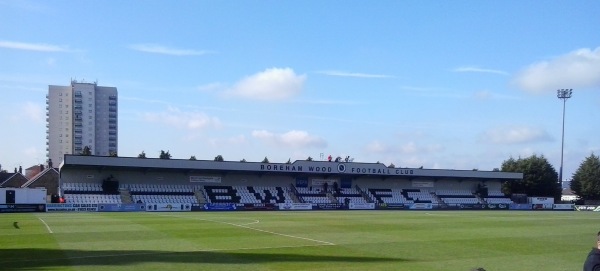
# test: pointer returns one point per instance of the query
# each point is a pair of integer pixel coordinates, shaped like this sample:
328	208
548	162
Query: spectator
592	262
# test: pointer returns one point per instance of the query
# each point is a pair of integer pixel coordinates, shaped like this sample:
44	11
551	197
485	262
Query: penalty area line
46	224
256	229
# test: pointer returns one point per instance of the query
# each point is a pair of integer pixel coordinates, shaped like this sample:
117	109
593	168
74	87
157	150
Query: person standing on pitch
592	262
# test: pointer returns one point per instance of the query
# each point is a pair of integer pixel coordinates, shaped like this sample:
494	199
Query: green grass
330	240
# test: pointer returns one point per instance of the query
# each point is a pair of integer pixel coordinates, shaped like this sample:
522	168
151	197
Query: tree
87	151
266	160
585	182
113	154
164	155
309	159
142	155
193	158
243	160
289	161
219	158
391	165
539	177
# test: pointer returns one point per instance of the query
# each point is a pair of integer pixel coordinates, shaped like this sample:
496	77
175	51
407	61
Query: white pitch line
275	233
256	221
157	253
265	231
46	224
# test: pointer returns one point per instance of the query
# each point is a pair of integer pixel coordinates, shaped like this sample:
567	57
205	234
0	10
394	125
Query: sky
438	84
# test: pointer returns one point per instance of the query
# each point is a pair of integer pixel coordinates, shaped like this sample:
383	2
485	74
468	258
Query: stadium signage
295	206
279	167
115	207
205	179
591	208
420	206
382	171
521	206
328	206
569	207
258	206
22	208
338	168
71	207
219	207
398	206
168	207
361	206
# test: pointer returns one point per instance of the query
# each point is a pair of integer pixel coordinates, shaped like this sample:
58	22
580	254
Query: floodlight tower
563	94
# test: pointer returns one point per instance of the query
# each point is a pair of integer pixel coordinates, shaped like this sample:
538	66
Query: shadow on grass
26	259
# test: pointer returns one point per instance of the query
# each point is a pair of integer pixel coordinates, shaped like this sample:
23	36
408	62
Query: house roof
33	167
39	175
5	177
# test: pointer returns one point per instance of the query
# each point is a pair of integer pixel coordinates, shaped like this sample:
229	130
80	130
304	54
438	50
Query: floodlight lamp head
564	93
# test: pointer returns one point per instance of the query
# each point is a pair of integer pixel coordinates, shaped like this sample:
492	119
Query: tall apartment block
80	115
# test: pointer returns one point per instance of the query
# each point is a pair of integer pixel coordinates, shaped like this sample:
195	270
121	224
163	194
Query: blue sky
439	84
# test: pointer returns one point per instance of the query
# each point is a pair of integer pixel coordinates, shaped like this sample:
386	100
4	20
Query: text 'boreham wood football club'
329	169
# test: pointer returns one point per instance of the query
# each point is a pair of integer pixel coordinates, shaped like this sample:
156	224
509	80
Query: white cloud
33	111
483	95
142	100
160	49
51	61
183	120
479	70
515	135
489	95
354	74
293	139
28	6
28	111
228	142
33	153
331	102
422	89
409	148
377	147
271	84
577	69
211	87
38	47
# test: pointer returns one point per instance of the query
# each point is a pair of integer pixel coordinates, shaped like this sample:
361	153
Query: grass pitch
301	240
